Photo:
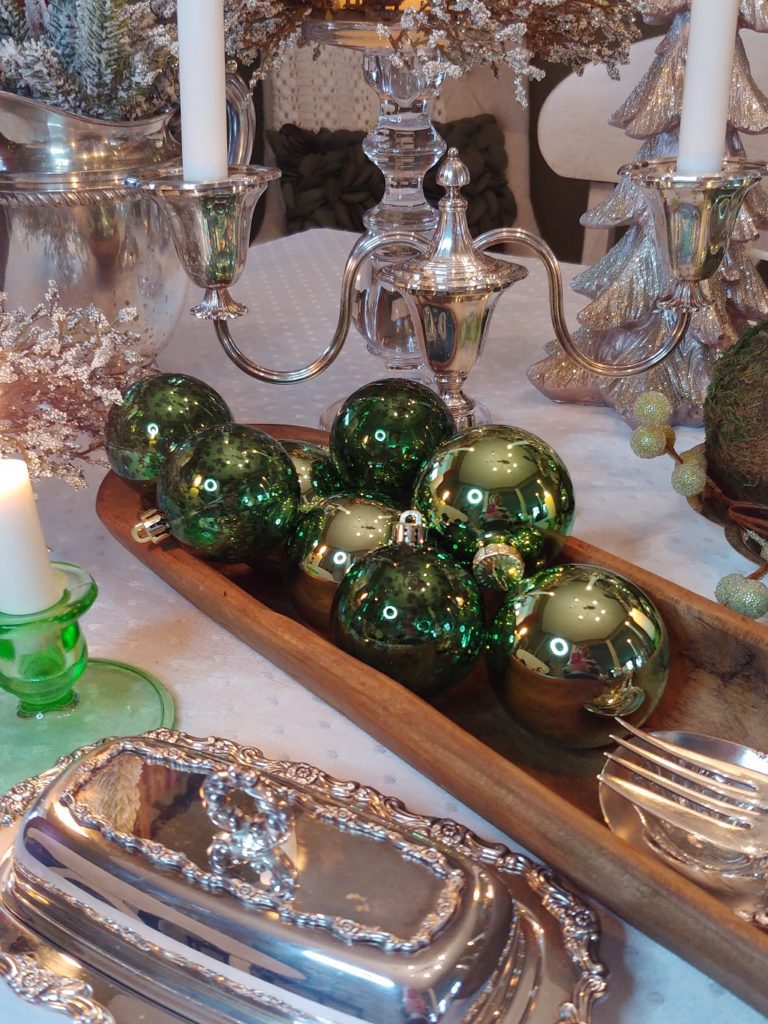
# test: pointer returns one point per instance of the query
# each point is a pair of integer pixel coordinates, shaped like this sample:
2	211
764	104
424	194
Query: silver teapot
66	216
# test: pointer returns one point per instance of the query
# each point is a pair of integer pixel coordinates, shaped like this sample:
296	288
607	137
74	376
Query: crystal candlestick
403	144
64	699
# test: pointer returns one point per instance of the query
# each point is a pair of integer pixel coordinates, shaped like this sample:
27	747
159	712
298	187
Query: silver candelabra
449	285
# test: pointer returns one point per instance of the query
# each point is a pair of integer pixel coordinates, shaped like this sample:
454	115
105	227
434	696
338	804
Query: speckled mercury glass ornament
155	417
382	435
502	500
411	612
329	538
578	647
318	475
229	493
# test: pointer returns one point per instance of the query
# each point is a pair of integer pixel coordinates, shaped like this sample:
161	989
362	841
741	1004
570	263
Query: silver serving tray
196	880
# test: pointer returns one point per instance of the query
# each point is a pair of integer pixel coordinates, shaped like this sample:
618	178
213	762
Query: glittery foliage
117	58
60	371
515	33
624	284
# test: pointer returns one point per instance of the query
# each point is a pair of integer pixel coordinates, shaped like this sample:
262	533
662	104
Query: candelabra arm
539	247
362	249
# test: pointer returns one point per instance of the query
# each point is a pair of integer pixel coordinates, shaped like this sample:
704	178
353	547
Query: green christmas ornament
329	538
156	415
410	611
318	475
382	435
229	493
580	646
502	500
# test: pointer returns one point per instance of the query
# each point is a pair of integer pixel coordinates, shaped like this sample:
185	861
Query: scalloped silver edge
40	987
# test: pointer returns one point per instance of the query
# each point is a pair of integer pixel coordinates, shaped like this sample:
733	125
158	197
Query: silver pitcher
66	216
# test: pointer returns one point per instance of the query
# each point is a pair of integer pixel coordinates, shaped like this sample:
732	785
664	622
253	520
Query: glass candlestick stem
59	698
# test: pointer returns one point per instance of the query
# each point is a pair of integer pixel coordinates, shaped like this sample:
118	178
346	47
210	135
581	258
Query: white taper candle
707	92
28	582
202	89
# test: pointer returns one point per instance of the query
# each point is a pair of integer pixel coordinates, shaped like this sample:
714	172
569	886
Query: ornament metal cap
409	529
498	566
152	527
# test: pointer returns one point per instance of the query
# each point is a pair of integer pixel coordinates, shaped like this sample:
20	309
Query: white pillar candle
202	89
28	582
707	92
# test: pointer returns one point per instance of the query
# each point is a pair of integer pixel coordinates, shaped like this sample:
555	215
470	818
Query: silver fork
721	803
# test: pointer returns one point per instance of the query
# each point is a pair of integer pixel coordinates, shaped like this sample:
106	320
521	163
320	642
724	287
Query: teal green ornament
318	474
229	493
580	646
329	538
382	435
500	498
156	415
410	611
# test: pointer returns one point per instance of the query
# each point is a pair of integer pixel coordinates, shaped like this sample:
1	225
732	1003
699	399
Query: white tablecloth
625	505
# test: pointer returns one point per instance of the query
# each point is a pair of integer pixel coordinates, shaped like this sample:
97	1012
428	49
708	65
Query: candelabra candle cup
210	223
694	217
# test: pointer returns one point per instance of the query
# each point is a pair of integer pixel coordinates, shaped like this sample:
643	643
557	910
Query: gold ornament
579	647
330	538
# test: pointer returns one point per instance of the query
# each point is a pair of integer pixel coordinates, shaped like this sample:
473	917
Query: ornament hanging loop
409	529
151	528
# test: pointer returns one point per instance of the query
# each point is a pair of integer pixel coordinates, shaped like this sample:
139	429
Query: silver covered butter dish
211	885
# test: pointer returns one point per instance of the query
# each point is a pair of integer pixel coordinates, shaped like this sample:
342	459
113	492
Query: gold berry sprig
654	437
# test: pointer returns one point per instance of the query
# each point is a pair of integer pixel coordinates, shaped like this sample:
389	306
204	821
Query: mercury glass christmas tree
625	283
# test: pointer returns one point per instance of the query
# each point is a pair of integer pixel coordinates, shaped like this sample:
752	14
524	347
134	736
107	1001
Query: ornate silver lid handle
41	987
256	840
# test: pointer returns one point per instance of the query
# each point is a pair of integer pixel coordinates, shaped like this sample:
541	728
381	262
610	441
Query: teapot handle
241	121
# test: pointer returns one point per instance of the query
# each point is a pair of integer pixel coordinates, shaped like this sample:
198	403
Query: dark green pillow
329	182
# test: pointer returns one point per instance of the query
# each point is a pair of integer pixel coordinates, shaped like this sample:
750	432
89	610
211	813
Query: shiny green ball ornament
411	612
329	538
578	647
229	493
156	415
500	498
383	433
318	475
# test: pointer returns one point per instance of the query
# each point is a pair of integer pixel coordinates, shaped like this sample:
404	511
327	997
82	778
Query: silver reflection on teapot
66	215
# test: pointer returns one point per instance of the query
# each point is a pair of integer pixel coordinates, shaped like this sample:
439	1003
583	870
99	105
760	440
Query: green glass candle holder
59	699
